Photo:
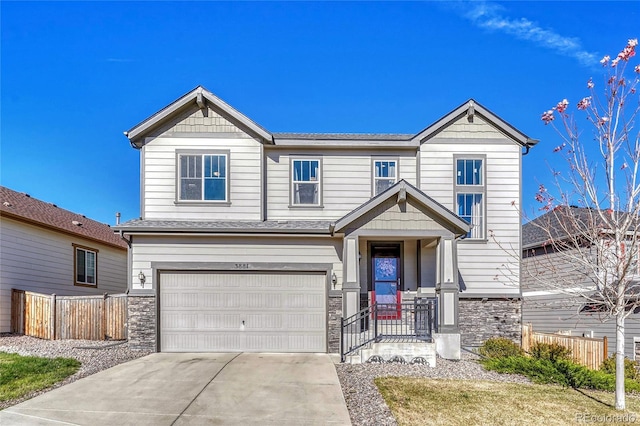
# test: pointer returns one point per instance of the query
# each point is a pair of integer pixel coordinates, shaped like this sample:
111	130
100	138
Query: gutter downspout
125	240
528	145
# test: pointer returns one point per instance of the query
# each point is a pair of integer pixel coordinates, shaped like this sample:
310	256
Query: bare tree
588	238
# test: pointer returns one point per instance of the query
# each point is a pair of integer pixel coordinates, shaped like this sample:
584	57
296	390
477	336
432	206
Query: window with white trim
86	261
629	252
305	182
385	175
203	177
470	194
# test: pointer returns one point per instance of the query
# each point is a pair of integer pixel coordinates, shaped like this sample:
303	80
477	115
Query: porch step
407	350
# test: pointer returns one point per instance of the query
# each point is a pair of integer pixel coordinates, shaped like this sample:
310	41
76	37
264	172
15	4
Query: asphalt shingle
20	206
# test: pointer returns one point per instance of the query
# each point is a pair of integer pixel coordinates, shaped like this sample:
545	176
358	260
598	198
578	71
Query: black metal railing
390	322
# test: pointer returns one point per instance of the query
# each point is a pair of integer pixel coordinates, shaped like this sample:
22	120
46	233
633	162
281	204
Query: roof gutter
527	146
125	240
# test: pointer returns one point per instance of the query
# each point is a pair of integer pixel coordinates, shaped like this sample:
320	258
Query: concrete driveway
196	389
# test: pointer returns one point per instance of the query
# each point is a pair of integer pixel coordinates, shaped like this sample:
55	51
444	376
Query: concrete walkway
196	389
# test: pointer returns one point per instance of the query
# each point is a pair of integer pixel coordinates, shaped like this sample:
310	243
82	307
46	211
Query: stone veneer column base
335	314
141	311
480	319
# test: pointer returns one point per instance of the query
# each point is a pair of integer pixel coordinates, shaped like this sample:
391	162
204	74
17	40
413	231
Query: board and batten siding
346	181
41	260
289	250
479	261
159	179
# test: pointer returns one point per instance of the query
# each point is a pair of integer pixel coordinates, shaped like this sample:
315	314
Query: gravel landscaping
366	405
94	355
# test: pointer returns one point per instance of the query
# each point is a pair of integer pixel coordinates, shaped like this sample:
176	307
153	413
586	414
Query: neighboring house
46	249
257	241
552	310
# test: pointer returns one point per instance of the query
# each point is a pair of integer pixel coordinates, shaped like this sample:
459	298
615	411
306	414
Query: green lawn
417	401
20	375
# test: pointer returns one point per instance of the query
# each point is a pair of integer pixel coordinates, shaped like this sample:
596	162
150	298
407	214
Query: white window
305	182
385	175
86	261
629	252
470	194
203	177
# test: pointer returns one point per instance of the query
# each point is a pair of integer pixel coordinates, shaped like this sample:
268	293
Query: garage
235	311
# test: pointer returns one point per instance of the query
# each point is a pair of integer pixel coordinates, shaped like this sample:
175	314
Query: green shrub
630	367
550	351
538	370
499	347
563	372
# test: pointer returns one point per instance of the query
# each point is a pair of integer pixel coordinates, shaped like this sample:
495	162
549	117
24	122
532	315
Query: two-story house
250	240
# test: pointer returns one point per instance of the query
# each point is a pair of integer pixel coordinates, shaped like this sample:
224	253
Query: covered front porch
400	275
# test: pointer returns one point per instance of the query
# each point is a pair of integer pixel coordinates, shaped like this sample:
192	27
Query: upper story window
470	194
385	175
203	177
86	266
627	256
305	182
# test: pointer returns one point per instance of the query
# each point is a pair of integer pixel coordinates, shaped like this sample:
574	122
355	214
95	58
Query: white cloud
492	16
119	60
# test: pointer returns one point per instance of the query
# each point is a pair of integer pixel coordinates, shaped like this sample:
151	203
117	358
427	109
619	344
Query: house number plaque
241	266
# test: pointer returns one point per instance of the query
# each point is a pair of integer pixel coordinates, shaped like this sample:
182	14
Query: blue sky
75	75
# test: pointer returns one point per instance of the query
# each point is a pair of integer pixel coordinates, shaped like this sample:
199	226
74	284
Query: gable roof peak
470	108
202	98
402	189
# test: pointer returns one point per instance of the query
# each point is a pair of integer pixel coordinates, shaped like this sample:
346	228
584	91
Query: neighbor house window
305	182
203	177
86	266
470	194
629	252
385	175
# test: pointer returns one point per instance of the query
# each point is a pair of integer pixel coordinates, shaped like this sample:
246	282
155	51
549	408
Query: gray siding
196	120
346	180
40	260
553	313
233	249
160	170
479	261
550	310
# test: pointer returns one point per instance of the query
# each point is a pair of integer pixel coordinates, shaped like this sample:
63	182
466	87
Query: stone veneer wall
481	319
142	322
335	314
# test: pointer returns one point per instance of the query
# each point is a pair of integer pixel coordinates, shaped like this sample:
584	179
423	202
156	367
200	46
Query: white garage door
243	312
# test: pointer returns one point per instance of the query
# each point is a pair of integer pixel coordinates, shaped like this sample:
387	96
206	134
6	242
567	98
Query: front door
386	277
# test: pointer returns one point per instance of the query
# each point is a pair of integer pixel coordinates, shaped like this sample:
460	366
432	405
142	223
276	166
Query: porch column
351	279
447	288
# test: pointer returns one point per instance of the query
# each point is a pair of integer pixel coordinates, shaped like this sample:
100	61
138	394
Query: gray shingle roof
269	226
563	221
344	136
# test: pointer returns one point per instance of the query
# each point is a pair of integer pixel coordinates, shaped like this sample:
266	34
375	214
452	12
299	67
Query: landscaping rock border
366	405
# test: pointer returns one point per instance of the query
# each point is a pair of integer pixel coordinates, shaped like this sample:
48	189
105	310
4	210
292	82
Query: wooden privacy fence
587	351
69	317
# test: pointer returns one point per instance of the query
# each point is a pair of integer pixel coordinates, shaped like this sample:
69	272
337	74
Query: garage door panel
221	311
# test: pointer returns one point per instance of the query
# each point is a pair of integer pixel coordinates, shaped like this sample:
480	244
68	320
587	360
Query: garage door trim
190	267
